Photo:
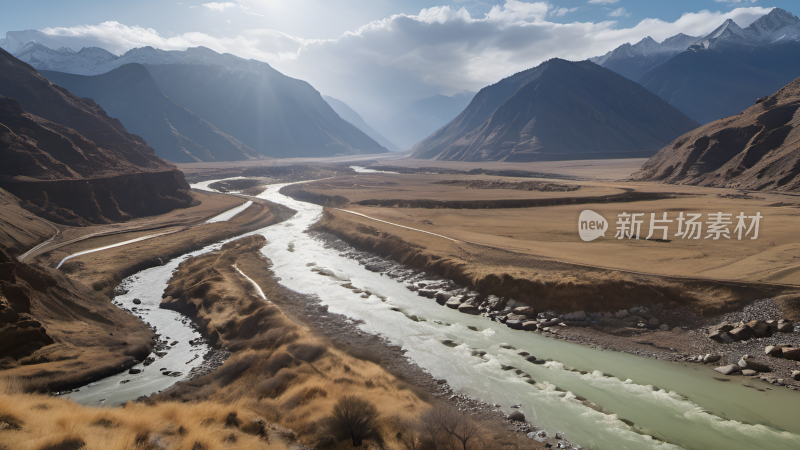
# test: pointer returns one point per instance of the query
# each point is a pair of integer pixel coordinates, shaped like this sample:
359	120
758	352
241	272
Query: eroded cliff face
81	202
88	169
756	149
59	333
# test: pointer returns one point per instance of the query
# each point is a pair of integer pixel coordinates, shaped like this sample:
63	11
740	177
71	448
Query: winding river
671	405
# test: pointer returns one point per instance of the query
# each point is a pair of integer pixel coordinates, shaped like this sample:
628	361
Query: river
672	405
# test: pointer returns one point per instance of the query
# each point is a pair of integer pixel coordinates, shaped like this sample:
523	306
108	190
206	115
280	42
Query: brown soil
20	230
540	282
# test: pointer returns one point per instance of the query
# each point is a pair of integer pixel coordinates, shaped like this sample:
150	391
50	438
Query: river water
683	405
672	405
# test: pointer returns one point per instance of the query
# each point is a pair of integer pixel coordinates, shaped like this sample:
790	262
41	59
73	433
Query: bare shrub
356	416
446	428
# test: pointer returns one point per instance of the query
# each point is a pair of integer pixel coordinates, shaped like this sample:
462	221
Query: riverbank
667	327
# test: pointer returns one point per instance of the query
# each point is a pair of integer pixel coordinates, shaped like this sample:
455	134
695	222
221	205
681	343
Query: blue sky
379	55
317	19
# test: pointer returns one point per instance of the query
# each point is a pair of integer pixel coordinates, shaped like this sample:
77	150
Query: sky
379	55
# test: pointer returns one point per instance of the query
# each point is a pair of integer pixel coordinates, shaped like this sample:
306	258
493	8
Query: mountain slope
708	84
72	163
274	114
349	114
271	113
130	94
631	61
757	149
558	110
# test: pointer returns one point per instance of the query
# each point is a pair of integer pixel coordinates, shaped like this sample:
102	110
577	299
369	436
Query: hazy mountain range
716	75
349	114
558	110
130	94
199	105
420	118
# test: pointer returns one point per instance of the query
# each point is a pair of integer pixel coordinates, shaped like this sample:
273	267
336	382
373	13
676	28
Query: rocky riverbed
663	331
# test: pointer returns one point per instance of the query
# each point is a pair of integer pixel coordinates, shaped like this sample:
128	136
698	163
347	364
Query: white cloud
215	6
602	2
735	1
619	12
559	12
390	62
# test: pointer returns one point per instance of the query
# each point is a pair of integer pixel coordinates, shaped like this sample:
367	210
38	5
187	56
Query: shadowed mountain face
273	114
70	162
247	100
558	110
349	114
130	94
757	149
719	74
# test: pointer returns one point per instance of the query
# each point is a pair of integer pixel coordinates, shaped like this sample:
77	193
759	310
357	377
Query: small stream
671	405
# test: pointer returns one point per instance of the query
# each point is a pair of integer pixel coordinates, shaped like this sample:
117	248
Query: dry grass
51	423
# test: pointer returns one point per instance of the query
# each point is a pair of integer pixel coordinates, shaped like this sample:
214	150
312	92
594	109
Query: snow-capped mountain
89	60
647	47
632	61
95	61
776	27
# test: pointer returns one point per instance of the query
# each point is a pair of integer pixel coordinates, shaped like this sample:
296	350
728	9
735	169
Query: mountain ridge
555	110
131	95
757	149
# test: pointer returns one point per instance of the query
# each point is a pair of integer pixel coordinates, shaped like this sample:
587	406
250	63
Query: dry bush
354	416
446	428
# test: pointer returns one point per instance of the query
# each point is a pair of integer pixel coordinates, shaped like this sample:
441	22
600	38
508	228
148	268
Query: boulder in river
796	375
516	416
136	301
134	371
530	325
442	297
469	308
709	358
427	293
526	311
749	372
453	303
514	324
730	369
519	317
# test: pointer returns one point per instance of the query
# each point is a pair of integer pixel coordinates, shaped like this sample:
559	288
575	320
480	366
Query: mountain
756	149
273	114
269	112
558	110
130	94
424	116
708	84
71	163
719	74
778	26
349	114
632	61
